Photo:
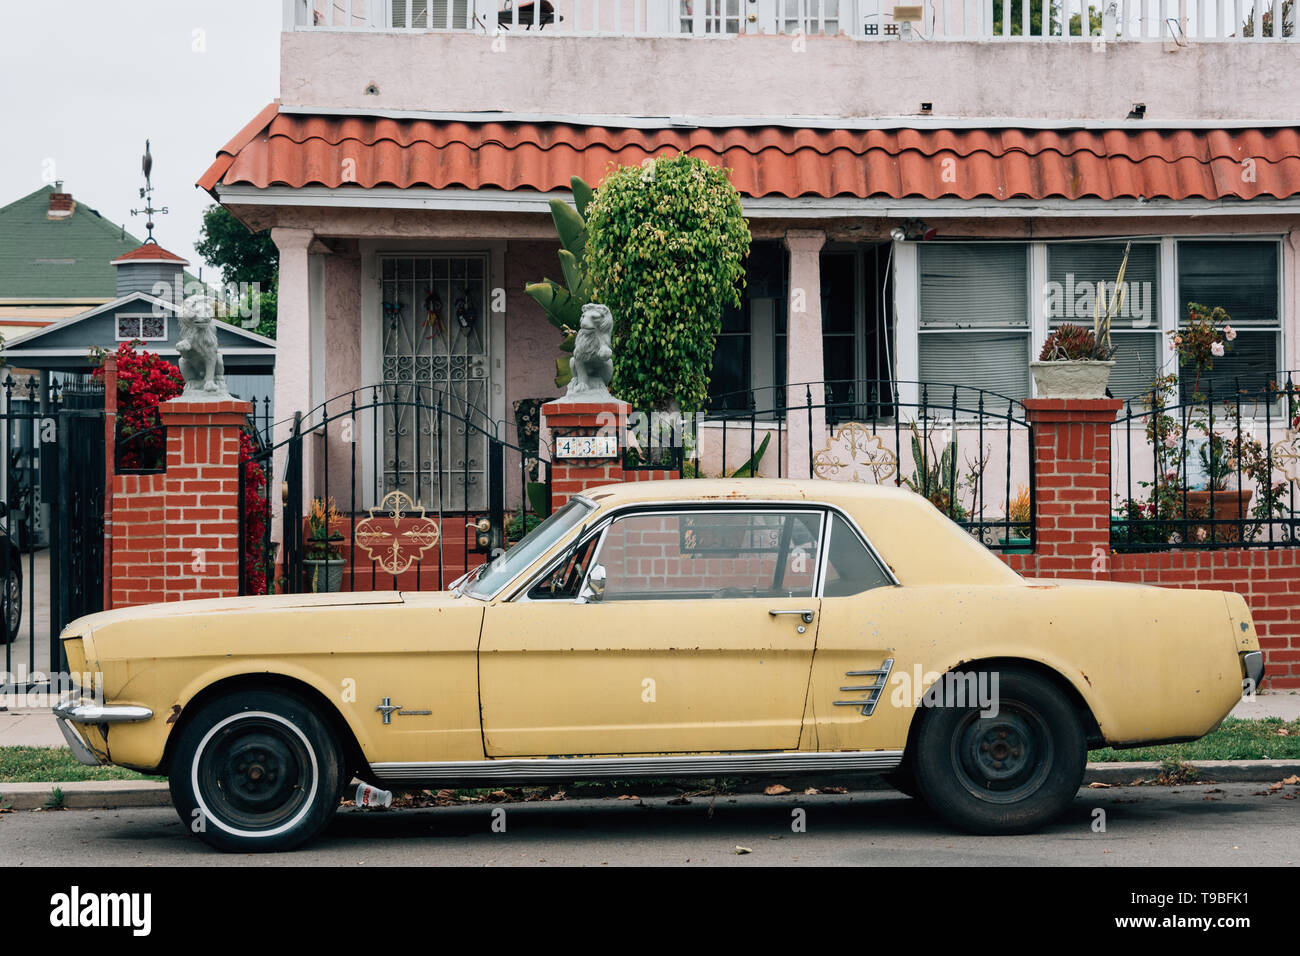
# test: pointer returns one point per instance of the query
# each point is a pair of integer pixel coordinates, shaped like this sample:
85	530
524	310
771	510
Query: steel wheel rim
256	775
1002	759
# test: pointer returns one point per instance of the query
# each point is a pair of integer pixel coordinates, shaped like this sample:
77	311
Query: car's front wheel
1008	768
256	771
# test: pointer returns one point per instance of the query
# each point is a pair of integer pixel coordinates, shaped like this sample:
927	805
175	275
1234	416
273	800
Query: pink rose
1216	349
1229	332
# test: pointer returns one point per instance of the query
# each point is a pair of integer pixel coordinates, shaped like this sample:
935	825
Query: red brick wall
175	535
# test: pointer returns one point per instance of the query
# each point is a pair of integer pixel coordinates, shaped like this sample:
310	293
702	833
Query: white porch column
804	370
293	362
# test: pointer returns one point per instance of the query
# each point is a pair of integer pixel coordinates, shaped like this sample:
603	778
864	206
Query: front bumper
1252	662
81	711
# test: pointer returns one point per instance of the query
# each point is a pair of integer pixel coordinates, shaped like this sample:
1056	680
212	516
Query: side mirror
594	587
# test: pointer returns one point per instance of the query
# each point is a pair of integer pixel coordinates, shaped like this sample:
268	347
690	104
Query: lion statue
201	365
592	365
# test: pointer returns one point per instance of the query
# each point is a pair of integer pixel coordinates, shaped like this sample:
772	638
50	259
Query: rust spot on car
176	712
1085	677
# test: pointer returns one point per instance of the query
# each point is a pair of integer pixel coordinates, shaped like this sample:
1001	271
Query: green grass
55	765
1234	740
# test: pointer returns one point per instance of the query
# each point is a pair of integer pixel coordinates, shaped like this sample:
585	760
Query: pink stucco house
930	189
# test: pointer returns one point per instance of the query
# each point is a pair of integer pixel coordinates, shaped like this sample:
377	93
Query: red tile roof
299	150
150	252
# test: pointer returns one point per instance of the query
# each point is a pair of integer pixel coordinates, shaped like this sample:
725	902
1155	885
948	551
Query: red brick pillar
1072	501
176	534
575	468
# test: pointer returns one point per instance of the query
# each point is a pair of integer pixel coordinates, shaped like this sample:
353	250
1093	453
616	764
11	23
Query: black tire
11	605
1010	773
904	781
256	771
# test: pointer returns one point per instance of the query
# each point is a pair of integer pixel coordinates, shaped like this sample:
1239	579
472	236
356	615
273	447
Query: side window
850	567
710	554
565	580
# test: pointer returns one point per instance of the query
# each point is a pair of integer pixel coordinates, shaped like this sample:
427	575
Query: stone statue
201	365
592	365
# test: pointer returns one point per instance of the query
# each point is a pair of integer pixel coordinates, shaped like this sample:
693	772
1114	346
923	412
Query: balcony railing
1176	21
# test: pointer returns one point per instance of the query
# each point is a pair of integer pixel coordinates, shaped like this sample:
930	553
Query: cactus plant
563	303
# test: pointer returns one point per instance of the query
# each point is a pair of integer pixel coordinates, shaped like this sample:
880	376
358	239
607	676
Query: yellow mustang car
677	629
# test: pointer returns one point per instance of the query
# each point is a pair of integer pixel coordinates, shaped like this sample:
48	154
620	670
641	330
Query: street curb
1117	773
116	794
87	794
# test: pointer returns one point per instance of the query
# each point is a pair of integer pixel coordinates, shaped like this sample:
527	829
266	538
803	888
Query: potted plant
323	559
1076	362
1018	517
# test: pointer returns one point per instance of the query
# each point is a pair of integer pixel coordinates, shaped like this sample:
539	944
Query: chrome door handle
805	614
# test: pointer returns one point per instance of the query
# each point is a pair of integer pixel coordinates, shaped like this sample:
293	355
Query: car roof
813	491
920	545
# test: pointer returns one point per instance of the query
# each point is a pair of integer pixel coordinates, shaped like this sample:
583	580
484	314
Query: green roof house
56	259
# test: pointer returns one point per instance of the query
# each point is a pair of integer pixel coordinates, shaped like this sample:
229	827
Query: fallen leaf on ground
1098	785
835	790
1275	787
628	796
776	789
1292	780
742	850
812	792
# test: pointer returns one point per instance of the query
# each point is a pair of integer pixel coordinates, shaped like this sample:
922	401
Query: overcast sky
83	83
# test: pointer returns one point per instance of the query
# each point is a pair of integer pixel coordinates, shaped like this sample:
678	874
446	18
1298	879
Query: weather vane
146	193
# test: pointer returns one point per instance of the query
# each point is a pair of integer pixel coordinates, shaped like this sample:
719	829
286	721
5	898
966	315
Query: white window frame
907	287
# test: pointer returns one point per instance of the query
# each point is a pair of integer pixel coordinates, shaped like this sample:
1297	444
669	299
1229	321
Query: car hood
276	602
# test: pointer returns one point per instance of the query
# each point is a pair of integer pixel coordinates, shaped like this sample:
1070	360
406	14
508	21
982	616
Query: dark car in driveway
11	591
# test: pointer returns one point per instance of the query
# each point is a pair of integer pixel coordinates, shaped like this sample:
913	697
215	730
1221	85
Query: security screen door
435	352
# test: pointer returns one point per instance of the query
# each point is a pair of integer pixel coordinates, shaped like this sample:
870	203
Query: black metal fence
437	493
1215	472
965	449
53	498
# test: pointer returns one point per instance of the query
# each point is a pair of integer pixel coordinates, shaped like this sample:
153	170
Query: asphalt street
1207	825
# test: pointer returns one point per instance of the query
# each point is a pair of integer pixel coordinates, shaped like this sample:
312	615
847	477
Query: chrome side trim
873	690
88	712
589	768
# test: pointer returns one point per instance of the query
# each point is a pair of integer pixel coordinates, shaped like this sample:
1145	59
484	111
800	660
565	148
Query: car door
668	630
866	641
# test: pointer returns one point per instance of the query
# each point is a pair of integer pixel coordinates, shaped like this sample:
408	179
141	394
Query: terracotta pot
1075	379
1230	504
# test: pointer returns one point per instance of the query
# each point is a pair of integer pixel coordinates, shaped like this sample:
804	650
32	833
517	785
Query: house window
749	359
1243	278
973	316
433	14
710	16
141	328
1074	272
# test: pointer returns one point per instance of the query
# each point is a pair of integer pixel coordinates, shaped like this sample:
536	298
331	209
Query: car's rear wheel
1011	772
256	771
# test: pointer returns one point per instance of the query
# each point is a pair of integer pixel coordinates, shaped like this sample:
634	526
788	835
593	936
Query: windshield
498	573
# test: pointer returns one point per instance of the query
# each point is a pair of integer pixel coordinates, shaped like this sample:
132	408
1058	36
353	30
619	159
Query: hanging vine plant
666	243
